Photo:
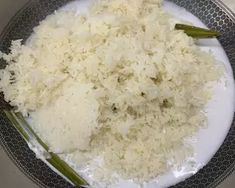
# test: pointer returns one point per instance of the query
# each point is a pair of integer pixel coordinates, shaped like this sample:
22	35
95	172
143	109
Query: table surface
10	175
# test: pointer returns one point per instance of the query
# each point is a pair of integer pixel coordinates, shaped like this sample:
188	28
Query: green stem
28	134
197	32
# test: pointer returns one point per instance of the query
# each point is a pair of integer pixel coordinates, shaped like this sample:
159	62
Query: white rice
118	82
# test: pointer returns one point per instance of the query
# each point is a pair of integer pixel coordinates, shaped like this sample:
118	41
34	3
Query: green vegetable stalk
197	32
28	134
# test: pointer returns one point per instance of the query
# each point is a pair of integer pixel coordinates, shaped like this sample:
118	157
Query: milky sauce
219	112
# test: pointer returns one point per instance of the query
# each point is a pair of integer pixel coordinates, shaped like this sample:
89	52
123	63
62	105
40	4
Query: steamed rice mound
117	82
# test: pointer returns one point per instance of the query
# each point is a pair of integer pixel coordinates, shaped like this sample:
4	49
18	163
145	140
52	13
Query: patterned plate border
212	12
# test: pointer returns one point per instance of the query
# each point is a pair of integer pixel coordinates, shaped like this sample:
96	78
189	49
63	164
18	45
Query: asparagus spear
197	32
28	134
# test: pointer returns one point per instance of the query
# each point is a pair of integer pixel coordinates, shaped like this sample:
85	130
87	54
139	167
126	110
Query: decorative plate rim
19	166
222	5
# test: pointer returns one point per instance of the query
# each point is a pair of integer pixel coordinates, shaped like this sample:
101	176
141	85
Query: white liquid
220	109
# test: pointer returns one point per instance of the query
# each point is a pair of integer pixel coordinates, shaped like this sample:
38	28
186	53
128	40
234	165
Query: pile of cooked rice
117	82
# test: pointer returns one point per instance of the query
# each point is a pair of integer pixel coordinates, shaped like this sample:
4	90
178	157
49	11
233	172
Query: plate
213	14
